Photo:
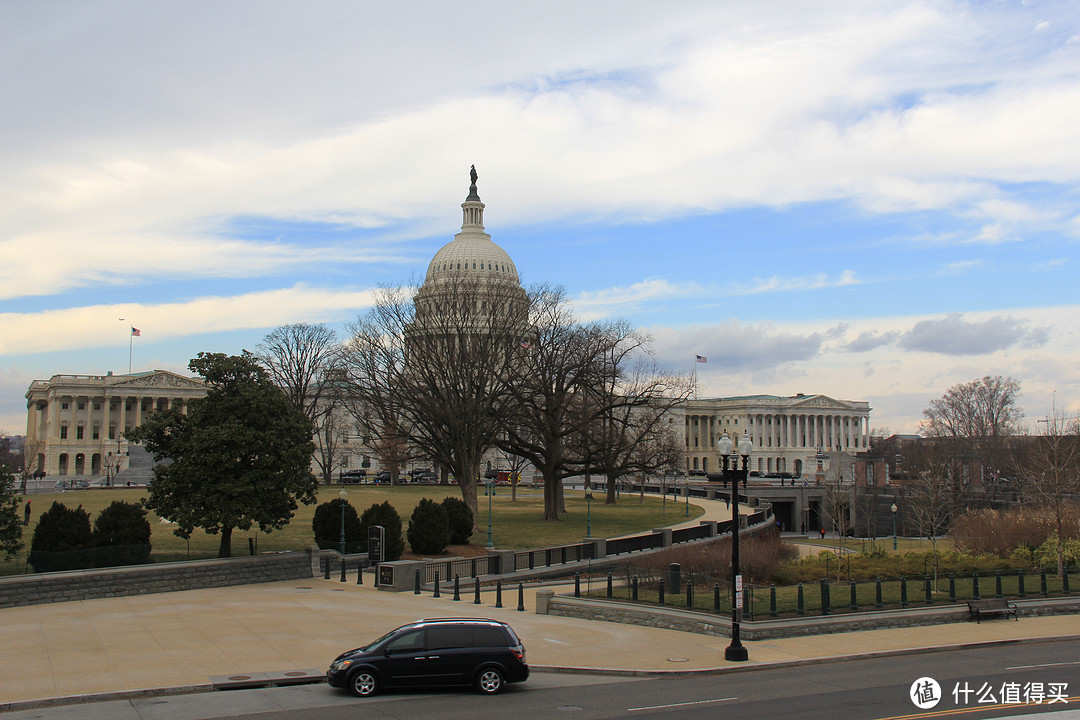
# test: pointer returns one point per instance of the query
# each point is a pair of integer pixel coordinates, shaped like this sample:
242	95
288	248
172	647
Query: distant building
792	435
75	423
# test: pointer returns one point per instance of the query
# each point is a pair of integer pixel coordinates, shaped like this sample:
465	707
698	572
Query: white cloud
97	326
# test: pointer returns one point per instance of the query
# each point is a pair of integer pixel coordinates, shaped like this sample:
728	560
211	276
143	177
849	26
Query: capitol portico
788	432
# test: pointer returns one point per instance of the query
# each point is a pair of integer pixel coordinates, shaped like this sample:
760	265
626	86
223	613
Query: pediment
821	402
161	379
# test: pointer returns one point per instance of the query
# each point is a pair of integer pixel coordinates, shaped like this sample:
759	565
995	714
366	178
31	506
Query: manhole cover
570	707
239	677
678	659
295	673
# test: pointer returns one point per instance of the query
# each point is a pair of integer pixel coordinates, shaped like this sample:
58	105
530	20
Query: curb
558	669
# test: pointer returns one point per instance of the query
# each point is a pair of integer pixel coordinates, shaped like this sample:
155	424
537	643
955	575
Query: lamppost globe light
724	445
746	445
343	494
893	508
341	543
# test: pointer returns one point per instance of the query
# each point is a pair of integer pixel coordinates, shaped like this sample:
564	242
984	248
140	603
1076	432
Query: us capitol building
75	423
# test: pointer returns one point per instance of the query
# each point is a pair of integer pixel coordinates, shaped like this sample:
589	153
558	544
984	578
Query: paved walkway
181	639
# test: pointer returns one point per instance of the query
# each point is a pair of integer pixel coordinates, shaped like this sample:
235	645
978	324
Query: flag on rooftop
701	359
135	332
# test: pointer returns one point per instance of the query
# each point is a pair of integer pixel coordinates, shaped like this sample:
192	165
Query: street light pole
588	513
893	508
490	542
735	652
686	491
341	544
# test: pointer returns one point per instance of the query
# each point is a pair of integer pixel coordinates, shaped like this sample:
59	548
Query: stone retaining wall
155	578
547	603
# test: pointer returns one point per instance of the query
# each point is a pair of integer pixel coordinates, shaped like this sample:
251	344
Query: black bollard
952	588
326	568
801	606
853	604
772	601
457	588
716	597
521	597
903	591
1042	581
633	588
826	600
926	586
342	568
609	588
997	584
416	583
974	585
1020	583
577	584
476	592
689	595
251	546
498	593
878	603
436	583
660	592
360	574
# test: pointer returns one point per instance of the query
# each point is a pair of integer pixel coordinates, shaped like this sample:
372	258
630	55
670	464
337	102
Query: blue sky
873	201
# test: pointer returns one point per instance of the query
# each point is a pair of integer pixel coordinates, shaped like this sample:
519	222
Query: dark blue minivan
435	652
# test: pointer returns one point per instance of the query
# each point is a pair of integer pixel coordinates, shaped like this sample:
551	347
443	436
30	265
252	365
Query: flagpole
131	344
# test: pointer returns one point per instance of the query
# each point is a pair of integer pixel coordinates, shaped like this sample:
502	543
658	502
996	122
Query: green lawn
516	525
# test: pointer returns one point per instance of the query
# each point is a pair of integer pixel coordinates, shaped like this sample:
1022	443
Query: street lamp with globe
735	651
893	508
341	544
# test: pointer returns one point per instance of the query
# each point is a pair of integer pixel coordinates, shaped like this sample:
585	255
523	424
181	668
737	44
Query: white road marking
696	702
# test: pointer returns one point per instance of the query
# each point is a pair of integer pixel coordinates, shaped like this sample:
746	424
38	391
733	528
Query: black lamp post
735	651
341	544
490	492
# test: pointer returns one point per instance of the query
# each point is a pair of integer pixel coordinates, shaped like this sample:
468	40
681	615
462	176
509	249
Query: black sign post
375	536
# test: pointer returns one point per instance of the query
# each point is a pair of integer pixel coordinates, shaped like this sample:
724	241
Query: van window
407	642
449	636
487	636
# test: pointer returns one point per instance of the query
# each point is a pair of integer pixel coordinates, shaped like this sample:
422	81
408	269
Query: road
864	690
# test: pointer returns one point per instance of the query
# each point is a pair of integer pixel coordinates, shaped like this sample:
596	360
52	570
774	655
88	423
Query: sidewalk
179	640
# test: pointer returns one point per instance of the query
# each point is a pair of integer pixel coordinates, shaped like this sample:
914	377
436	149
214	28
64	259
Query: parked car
435	652
353	476
427	478
382	477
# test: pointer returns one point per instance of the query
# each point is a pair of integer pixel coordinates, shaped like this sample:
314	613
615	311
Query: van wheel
490	681
363	683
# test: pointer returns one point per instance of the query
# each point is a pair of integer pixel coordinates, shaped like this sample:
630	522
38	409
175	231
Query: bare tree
300	359
977	418
555	403
431	369
1053	467
931	494
630	405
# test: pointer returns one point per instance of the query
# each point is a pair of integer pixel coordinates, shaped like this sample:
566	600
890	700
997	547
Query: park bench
990	608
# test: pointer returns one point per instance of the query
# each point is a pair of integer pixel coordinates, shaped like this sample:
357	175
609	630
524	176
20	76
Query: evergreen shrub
429	529
460	518
60	533
121	535
384	514
326	524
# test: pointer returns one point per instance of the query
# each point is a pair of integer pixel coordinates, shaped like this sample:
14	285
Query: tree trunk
610	499
551	497
225	548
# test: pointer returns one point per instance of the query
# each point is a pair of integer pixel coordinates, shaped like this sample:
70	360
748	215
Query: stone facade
797	435
75	423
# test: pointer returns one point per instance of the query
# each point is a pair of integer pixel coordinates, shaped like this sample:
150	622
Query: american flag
135	332
701	358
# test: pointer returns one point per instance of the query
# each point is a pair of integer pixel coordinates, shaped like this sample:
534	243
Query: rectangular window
112	432
96	435
82	405
63	406
79	432
63	432
97	406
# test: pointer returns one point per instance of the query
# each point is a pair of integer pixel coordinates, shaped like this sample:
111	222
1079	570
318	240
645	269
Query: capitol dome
471	255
